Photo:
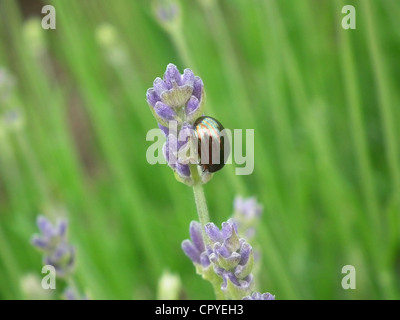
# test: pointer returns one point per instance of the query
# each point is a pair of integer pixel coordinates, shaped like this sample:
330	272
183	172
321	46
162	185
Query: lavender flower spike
247	212
260	296
224	259
167	13
53	243
176	101
232	259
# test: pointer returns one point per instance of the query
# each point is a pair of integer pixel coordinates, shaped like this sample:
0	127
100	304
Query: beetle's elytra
208	128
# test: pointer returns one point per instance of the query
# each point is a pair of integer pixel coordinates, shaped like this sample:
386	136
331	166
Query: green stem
200	200
178	39
219	295
204	218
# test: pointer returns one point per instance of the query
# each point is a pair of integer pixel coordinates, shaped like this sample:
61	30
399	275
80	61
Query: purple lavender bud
248	207
196	235
174	90
198	87
159	86
231	257
192	106
172	76
39	242
247	212
187	78
62	259
213	232
164	112
205	259
163	129
53	243
191	251
183	170
231	282
71	294
260	296
167	13
45	227
152	97
62	228
195	248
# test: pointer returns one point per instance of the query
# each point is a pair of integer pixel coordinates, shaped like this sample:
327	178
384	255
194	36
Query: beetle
208	128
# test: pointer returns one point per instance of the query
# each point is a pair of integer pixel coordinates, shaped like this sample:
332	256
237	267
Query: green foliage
323	103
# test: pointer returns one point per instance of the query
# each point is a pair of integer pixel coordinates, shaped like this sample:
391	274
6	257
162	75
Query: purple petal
164	111
191	251
209	250
226	230
163	129
219	271
245	252
196	235
229	276
259	296
186	132
171	75
267	296
192	105
256	296
213	232
62	227
188	77
171	148
39	242
159	86
249	207
152	97
204	260
247	282
183	170
221	250
45	226
197	88
234	225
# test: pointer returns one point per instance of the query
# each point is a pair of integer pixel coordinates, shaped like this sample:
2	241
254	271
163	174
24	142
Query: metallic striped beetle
209	129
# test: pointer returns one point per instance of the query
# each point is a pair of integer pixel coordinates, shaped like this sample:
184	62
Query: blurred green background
324	103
